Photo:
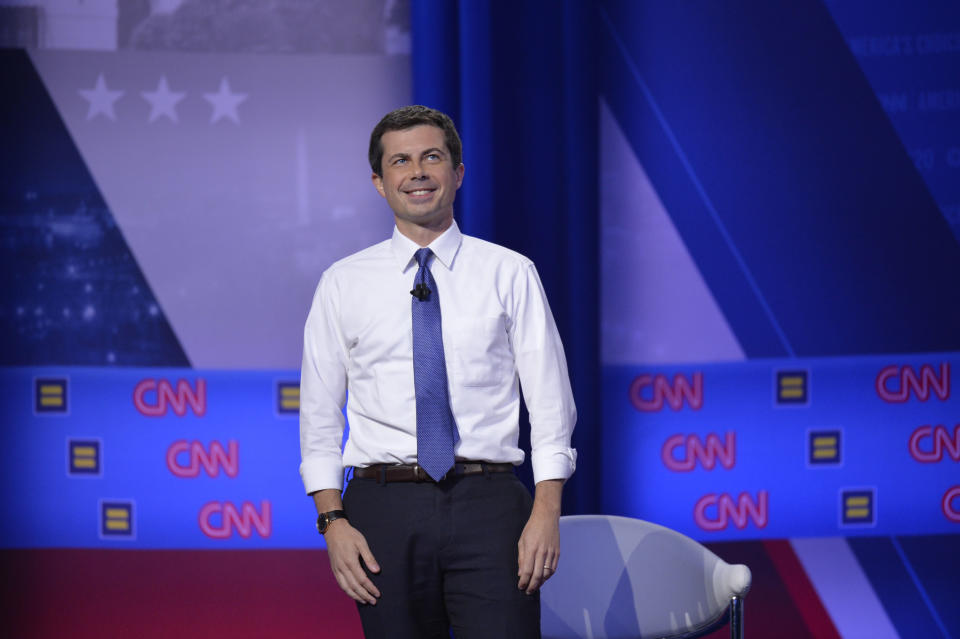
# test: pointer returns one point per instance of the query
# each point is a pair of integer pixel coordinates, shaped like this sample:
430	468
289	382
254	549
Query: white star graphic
225	102
163	101
101	99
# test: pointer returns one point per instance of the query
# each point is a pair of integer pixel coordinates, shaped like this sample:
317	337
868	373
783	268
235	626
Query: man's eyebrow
433	150
398	155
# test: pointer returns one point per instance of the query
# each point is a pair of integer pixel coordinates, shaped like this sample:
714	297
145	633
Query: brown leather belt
413	472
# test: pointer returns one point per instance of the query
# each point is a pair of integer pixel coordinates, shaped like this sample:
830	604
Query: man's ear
460	170
378	184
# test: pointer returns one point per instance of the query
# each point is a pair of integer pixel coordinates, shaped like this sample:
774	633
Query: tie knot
422	255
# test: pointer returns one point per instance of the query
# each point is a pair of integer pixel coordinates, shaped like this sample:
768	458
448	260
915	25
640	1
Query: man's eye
399	161
433	156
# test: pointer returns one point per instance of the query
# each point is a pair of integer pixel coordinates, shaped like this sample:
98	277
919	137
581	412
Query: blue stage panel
154	458
786	448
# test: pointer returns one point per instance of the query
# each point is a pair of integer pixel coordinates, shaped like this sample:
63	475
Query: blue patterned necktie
436	431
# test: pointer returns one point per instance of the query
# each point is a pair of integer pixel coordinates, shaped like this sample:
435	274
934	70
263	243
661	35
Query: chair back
627	578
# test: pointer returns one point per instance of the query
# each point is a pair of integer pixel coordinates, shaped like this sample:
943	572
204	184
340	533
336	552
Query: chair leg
736	618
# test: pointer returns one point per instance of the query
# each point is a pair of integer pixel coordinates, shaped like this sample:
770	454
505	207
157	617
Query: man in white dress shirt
466	549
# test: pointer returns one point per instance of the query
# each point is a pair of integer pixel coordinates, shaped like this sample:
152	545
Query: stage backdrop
174	186
779	268
176	177
745	214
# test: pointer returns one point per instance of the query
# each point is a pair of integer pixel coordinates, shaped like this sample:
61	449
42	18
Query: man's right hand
346	546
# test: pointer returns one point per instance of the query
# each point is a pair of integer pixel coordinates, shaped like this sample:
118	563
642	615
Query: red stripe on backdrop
769	608
801	589
83	593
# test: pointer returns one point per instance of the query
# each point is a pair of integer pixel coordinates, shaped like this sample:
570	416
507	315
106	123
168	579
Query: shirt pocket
481	354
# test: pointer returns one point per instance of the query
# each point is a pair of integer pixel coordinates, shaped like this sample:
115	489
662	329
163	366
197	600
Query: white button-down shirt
497	331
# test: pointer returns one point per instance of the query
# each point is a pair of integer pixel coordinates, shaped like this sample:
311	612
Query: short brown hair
406	118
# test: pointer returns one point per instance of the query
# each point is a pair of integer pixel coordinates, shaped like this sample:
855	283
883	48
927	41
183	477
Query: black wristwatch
323	521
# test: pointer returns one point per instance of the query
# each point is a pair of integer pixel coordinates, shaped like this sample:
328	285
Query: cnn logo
715	512
650	393
154	398
940	440
185	459
681	454
951	504
221	520
896	384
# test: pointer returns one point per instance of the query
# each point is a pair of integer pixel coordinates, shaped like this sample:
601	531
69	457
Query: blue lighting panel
153	458
862	445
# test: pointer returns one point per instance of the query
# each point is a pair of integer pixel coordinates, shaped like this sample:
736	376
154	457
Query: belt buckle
422	475
419	473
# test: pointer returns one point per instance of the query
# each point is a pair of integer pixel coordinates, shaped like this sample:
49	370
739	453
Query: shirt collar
444	247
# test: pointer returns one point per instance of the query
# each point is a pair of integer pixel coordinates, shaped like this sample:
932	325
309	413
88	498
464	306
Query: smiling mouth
420	192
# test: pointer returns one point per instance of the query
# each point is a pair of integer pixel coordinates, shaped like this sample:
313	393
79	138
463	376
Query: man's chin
427	219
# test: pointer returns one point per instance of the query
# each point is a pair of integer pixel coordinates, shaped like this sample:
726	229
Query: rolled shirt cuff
553	463
320	474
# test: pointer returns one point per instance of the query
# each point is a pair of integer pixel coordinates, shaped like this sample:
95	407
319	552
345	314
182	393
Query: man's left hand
539	545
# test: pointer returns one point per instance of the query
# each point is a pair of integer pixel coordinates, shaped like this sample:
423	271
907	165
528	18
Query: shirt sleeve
542	367
323	384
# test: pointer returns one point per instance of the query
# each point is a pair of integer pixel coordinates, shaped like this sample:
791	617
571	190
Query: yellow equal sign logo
84	457
288	397
858	506
824	447
50	395
792	387
116	519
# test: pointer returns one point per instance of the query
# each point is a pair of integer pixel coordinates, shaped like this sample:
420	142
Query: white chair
627	578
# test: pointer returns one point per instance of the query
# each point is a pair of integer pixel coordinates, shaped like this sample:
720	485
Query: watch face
324	519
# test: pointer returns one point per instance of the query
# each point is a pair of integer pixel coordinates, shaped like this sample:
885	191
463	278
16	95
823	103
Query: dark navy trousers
448	557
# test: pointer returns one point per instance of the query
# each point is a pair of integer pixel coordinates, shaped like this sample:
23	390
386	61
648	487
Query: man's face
419	180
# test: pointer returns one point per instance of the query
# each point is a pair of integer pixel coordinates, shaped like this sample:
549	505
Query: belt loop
382	479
